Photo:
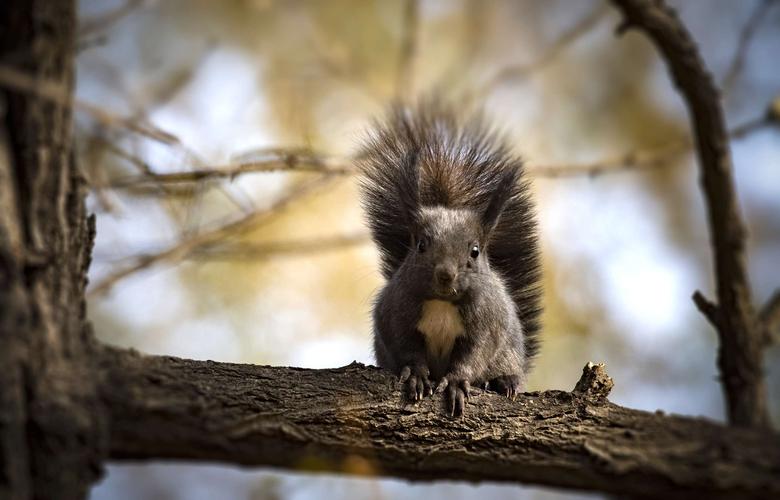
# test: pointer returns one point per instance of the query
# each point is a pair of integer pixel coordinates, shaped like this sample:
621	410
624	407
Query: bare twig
745	38
559	45
297	160
158	96
770	318
60	94
339	63
741	343
104	21
198	241
96	176
149	188
307	160
773	113
90	42
165	92
143	167
639	158
623	163
707	308
405	76
192	195
291	248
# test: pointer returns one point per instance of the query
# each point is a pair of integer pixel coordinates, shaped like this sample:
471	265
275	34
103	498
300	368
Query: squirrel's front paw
457	393
508	385
416	383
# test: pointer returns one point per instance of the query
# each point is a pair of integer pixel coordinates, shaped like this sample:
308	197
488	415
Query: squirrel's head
447	251
449	246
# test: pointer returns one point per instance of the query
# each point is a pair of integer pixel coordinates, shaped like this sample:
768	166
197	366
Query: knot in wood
594	382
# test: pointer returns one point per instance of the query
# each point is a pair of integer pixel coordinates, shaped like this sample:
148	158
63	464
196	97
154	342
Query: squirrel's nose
444	275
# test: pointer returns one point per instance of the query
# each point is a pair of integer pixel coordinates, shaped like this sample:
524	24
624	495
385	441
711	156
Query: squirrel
450	211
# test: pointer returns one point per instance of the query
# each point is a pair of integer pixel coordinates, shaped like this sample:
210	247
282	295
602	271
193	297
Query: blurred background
216	138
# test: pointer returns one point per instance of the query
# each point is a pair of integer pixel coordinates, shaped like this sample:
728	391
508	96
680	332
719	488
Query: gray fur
451	184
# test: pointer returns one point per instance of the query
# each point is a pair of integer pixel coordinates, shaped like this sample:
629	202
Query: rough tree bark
352	420
51	434
67	404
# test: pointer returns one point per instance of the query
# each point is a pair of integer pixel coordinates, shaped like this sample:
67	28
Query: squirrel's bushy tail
427	156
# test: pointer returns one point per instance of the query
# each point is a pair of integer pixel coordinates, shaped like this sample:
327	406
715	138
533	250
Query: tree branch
60	94
298	159
770	318
289	248
352	420
745	38
203	239
741	340
273	160
564	40
103	22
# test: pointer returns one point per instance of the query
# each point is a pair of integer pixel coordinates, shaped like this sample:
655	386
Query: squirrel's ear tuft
504	187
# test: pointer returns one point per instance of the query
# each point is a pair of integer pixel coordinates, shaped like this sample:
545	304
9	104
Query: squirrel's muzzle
444	275
444	280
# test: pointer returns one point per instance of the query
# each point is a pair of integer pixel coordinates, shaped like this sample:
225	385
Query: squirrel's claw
457	396
405	372
416	382
508	385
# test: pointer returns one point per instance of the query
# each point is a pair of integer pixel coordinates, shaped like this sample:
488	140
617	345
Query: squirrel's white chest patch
441	324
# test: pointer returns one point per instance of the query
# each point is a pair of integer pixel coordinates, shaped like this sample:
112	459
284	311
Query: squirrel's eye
421	246
475	251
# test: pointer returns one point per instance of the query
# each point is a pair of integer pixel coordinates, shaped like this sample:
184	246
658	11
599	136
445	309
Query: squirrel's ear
504	187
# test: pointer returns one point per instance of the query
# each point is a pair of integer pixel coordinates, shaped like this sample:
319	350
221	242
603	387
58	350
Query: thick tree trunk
352	420
51	438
